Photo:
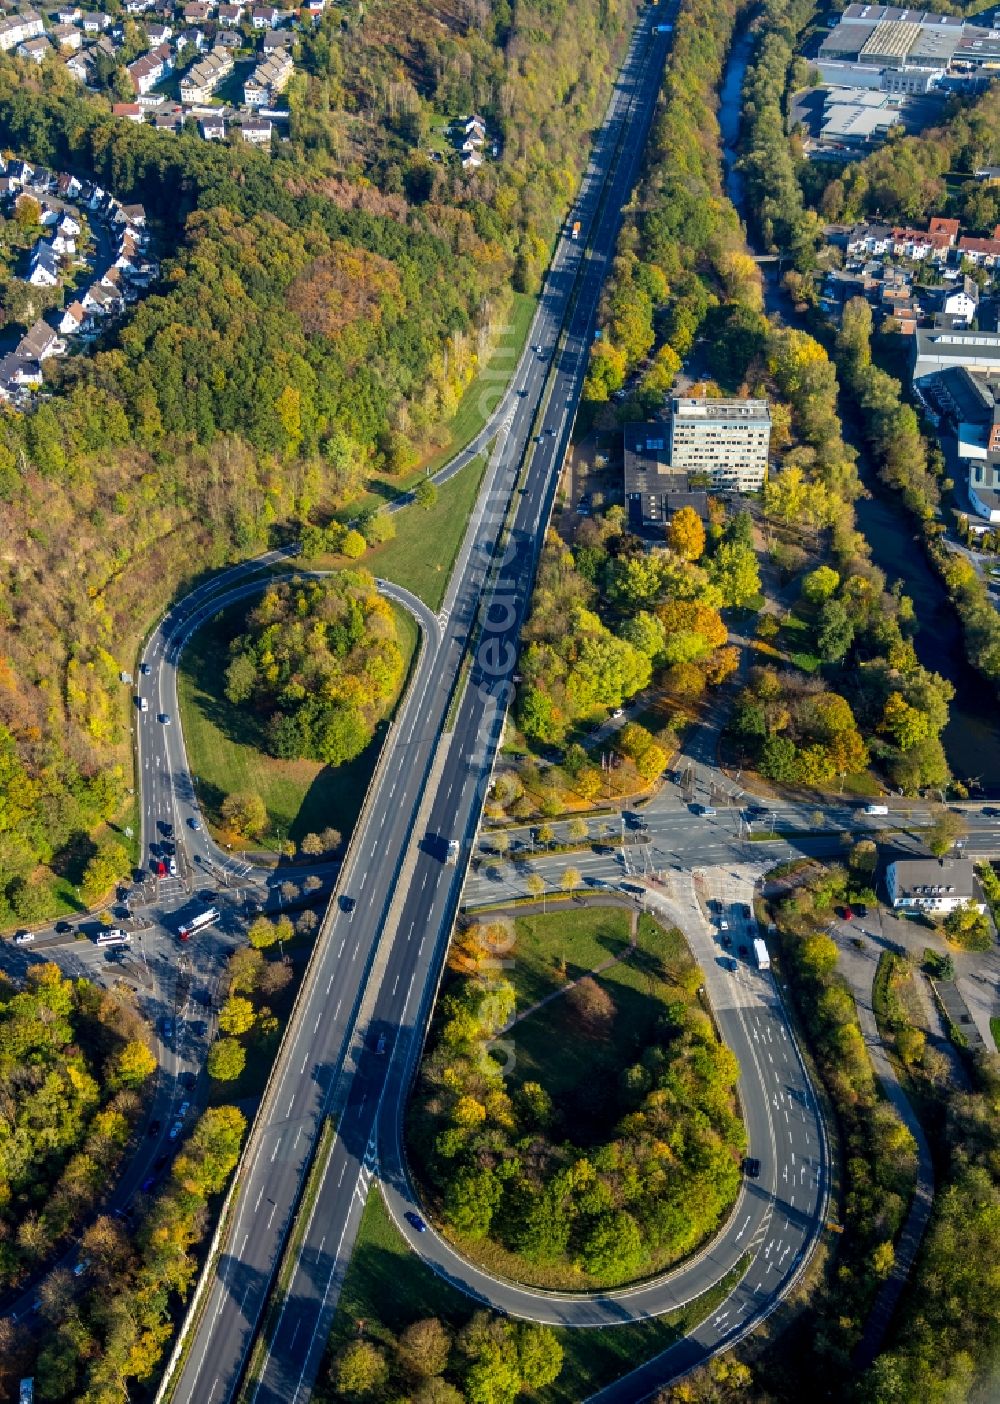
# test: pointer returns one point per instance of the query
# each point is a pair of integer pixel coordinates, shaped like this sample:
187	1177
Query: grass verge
388	1287
421	555
225	750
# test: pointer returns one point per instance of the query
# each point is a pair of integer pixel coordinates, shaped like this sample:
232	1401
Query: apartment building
268	79
202	79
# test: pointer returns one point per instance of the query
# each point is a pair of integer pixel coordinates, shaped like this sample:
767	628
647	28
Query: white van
876	809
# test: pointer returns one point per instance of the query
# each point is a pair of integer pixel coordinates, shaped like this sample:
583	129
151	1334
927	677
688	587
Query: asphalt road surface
381	943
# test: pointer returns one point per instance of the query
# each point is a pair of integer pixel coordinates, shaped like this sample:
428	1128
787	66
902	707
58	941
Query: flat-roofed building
726	439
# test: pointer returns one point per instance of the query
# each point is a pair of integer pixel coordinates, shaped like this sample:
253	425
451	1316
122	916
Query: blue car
415	1221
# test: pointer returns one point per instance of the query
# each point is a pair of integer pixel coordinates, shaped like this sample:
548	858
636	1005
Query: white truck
452	858
876	809
760	955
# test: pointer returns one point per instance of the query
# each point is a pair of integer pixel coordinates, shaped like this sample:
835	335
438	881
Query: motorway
376	962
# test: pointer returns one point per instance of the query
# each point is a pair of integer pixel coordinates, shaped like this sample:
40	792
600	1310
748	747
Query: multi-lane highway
378	954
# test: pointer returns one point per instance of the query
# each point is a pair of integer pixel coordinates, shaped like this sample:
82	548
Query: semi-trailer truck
575	230
761	955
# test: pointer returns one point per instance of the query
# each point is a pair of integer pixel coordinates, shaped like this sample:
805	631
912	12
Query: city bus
199	923
114	937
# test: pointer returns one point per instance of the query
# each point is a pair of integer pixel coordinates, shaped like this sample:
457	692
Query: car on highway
145	669
380	1045
24	938
194	823
167	1028
551	431
164	718
172	866
706	811
183	1110
347	904
165	827
415	1221
175	1130
154	1128
63	928
751	1167
148	1183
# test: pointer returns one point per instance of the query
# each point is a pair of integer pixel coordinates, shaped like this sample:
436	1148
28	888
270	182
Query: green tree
686	534
226	1060
539	1354
245	813
360	1371
423	1348
236	1017
945	830
262	933
820	584
968	927
425	494
613	1249
133	1065
734	571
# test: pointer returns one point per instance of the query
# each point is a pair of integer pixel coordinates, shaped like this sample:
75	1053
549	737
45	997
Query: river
972	736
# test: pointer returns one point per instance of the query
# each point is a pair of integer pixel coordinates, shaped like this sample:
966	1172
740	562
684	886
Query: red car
847	914
161	869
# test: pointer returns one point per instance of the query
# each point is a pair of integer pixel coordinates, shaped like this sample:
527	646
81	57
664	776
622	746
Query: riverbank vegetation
589	1159
312	332
791	198
75	1062
839	686
107	1328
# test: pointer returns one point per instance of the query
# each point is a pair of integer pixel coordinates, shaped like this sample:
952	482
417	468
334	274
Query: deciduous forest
310	328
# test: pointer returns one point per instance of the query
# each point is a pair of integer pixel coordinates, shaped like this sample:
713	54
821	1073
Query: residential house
95	23
947	227
276	39
158	33
471	161
147	71
213	128
869	239
936	885
130	111
134	215
193	39
265	17
42	180
227	39
17	29
73	319
268	80
989	175
69	14
45	270
920	244
230	15
202	79
40	343
78	66
985	253
197	12
19	172
256	131
68	186
67	38
171	121
35	49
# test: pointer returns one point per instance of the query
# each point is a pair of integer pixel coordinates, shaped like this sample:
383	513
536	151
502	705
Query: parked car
24	938
63	928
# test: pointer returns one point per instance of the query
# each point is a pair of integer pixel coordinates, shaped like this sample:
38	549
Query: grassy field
421	555
563	945
224	745
549	1049
388	1287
